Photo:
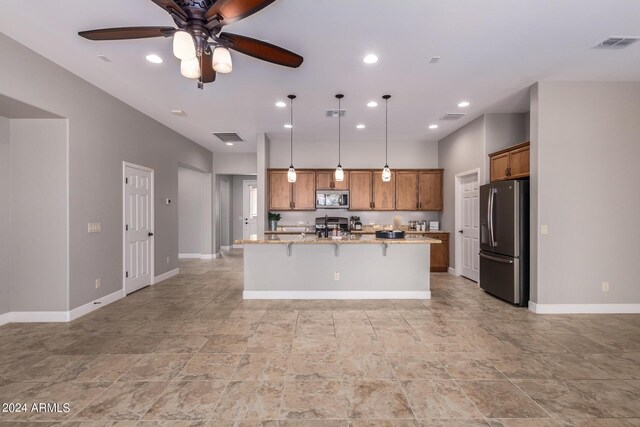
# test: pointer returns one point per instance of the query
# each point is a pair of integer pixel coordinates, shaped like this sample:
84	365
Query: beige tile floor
190	351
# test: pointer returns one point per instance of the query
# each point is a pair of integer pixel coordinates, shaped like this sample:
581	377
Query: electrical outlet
544	229
605	286
98	283
168	259
336	276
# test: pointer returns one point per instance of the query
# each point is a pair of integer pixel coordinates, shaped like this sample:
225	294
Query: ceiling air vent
452	116
334	113
616	42
228	136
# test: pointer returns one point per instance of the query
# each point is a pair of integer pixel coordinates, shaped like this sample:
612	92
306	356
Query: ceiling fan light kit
198	37
386	171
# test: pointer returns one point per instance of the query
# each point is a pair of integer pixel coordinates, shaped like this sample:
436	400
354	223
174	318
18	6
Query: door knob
460	231
150	234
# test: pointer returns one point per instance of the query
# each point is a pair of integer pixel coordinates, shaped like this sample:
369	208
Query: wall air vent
616	42
452	116
334	113
228	136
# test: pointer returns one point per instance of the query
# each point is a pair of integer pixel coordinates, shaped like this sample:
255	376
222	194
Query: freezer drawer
503	277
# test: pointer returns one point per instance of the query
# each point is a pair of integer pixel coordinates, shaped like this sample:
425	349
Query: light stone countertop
346	240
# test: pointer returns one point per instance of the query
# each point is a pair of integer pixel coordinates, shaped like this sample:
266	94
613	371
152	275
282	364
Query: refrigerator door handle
492	258
492	241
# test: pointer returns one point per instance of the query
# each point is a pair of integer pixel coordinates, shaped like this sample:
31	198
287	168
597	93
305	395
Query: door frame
126	164
245	186
458	217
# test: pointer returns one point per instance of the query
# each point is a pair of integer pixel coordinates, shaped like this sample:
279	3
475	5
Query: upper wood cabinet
325	180
285	196
419	190
360	191
384	193
510	163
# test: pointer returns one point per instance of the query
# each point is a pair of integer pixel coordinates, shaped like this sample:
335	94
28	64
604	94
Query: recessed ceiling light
288	126
433	126
178	112
153	58
280	104
463	104
370	59
360	126
228	143
372	104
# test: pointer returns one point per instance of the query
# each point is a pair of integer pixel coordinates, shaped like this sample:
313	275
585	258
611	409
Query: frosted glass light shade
183	45
339	174
190	68
291	174
386	174
222	60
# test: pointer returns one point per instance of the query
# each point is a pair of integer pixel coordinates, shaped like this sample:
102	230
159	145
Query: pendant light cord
339	127
291	131
386	131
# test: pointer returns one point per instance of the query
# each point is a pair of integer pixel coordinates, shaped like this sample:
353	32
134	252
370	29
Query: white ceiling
491	50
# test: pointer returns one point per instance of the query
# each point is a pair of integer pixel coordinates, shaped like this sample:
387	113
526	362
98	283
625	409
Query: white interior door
470	226
250	210
138	227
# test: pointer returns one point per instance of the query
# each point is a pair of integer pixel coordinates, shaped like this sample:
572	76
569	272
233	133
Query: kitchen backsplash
377	217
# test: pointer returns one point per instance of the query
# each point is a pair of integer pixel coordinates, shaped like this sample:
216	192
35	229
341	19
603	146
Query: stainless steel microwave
332	199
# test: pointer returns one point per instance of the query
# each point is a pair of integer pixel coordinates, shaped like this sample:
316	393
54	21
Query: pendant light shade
291	174
339	173
190	68
183	45
386	171
222	60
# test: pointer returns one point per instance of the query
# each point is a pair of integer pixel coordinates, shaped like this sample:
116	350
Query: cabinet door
304	191
279	191
360	190
324	180
440	252
384	193
519	162
407	191
430	191
499	167
341	185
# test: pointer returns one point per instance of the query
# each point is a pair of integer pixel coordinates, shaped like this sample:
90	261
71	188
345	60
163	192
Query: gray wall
190	236
5	214
237	216
39	257
226	206
461	151
587	153
103	132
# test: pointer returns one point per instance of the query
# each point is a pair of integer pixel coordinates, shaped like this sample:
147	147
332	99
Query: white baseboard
336	294
94	305
452	271
238	246
189	256
584	308
225	248
5	318
207	256
164	276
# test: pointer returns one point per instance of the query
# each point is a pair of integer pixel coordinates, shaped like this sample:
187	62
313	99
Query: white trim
583	308
126	164
452	271
207	256
458	214
189	256
5	318
38	316
238	246
94	305
164	276
225	248
336	295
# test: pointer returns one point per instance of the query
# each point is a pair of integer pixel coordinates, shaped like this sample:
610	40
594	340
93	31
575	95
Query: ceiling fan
198	41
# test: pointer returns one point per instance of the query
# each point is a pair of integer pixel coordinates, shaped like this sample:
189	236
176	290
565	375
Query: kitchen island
354	267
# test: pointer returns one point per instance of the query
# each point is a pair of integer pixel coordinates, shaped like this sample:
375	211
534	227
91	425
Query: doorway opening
467	212
138	226
194	213
250	210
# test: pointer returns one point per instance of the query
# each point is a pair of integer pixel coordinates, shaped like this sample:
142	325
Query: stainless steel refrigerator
504	240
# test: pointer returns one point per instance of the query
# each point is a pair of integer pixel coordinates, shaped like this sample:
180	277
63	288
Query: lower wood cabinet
439	252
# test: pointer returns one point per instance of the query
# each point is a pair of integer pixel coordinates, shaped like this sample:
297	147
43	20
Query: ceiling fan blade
262	50
228	11
206	65
171	7
126	33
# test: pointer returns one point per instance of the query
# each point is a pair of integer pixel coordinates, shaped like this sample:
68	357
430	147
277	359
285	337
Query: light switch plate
544	229
94	227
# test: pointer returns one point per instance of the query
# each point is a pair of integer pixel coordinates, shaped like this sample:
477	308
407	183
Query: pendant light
291	174
386	172
339	174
